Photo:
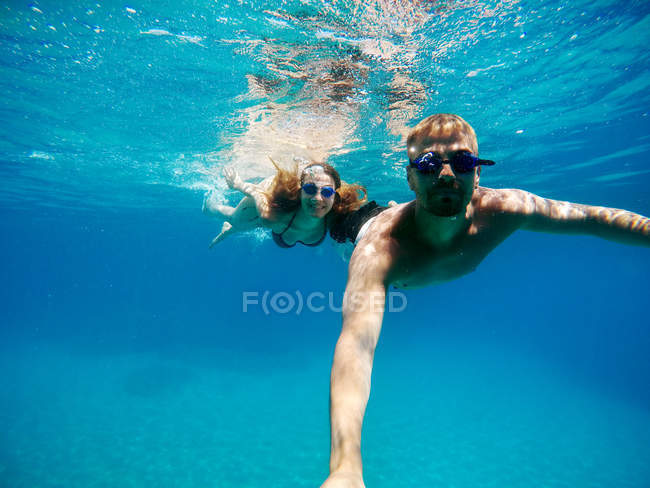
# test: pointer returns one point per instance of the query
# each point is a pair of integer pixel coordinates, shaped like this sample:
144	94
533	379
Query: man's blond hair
445	124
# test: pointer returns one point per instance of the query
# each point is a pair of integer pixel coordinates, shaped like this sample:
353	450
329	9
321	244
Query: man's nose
446	173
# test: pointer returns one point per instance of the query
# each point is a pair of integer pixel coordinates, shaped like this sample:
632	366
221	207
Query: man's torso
415	263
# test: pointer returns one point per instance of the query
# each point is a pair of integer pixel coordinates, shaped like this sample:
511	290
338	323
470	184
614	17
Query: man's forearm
363	311
349	392
619	225
545	215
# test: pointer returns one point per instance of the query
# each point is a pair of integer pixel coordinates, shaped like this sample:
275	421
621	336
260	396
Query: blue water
126	357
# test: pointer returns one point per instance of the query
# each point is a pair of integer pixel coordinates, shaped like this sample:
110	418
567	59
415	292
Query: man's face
444	193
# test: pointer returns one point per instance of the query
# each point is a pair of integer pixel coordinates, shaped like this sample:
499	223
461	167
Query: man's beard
446	200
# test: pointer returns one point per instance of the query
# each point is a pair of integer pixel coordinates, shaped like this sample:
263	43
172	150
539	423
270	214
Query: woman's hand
232	179
343	480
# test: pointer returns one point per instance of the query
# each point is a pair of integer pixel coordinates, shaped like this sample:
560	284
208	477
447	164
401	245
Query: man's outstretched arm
363	311
546	215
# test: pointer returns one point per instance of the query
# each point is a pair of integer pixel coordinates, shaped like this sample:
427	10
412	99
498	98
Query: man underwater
445	233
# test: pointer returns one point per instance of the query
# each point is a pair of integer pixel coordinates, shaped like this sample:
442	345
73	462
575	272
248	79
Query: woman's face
317	205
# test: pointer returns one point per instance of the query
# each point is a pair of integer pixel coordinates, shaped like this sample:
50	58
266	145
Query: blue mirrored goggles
460	162
311	189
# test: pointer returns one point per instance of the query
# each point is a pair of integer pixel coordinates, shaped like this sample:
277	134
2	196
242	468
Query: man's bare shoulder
504	201
387	224
380	245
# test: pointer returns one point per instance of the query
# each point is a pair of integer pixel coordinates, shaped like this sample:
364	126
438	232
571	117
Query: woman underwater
299	206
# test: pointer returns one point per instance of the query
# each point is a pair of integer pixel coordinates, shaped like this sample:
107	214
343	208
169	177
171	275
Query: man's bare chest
427	271
418	266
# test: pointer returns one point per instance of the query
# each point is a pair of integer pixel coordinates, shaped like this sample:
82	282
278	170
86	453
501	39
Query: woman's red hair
284	192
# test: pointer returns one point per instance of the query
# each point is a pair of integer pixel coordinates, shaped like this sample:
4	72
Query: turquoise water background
126	356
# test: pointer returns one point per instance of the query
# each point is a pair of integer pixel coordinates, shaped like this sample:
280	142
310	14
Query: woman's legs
226	229
211	207
239	219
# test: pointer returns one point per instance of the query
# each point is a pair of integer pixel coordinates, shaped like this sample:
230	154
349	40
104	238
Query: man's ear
409	177
477	176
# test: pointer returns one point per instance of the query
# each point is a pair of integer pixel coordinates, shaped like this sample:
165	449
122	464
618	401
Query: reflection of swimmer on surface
294	107
445	233
298	206
302	89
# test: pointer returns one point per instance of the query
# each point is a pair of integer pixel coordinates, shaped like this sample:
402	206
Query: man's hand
343	480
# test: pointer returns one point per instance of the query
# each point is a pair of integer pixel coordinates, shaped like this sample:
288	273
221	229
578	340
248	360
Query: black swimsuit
277	238
346	227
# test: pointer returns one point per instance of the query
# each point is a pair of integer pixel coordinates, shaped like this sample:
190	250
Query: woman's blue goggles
311	189
460	162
